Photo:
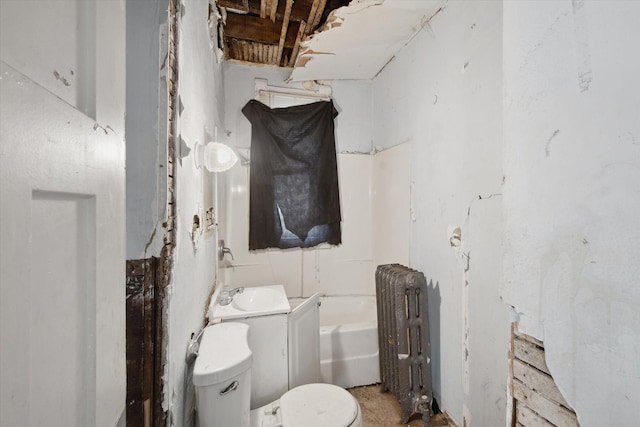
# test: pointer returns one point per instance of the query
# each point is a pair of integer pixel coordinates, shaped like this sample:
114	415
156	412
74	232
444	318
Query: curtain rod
321	92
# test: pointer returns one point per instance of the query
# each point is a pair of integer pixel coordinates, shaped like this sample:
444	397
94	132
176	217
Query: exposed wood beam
283	33
319	11
296	47
249	27
274	8
312	16
263	9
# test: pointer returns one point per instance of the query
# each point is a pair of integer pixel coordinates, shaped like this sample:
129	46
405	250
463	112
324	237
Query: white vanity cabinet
269	370
285	343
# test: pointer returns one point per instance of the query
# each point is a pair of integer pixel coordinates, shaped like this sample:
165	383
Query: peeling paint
62	79
302	61
455	238
362	37
195	230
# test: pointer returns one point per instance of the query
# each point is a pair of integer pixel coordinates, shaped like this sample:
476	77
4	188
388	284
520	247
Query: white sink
254	301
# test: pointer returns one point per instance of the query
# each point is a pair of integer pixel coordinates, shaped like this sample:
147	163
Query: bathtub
348	340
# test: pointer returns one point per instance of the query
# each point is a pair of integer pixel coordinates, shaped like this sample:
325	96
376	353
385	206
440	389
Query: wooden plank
235	51
538	381
529	338
296	48
527	418
530	353
550	411
319	10
245	50
312	16
252	28
263	9
283	32
273	9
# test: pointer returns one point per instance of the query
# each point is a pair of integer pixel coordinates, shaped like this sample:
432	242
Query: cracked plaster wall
571	197
201	96
442	92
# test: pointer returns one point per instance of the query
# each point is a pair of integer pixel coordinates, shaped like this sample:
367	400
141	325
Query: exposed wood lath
270	31
537	401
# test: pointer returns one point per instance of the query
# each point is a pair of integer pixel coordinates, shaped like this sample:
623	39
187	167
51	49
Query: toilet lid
318	405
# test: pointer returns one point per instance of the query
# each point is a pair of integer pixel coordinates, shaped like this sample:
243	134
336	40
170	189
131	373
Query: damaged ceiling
322	39
270	31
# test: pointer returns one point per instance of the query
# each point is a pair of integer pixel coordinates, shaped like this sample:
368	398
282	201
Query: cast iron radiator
403	338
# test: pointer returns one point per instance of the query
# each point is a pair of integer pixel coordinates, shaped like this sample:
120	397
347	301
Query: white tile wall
391	184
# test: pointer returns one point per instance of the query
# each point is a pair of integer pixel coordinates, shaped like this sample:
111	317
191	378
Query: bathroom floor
383	410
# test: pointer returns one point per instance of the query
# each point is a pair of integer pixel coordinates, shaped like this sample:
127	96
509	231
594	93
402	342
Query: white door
62	246
304	342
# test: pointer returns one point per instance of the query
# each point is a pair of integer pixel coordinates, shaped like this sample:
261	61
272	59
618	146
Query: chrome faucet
226	295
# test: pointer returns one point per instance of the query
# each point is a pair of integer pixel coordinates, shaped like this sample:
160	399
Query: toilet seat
318	405
310	405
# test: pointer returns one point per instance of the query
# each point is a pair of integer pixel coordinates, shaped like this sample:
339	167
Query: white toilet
222	378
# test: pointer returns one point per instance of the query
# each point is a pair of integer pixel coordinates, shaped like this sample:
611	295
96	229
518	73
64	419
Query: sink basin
254	301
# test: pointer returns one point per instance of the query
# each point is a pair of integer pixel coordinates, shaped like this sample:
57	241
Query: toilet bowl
222	379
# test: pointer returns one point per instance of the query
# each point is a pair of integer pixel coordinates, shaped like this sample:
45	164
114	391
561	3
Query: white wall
571	197
442	93
344	270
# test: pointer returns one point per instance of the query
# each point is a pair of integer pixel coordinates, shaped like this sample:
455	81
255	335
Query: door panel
62	294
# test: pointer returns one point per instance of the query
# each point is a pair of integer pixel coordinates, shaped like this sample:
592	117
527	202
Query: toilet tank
222	376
